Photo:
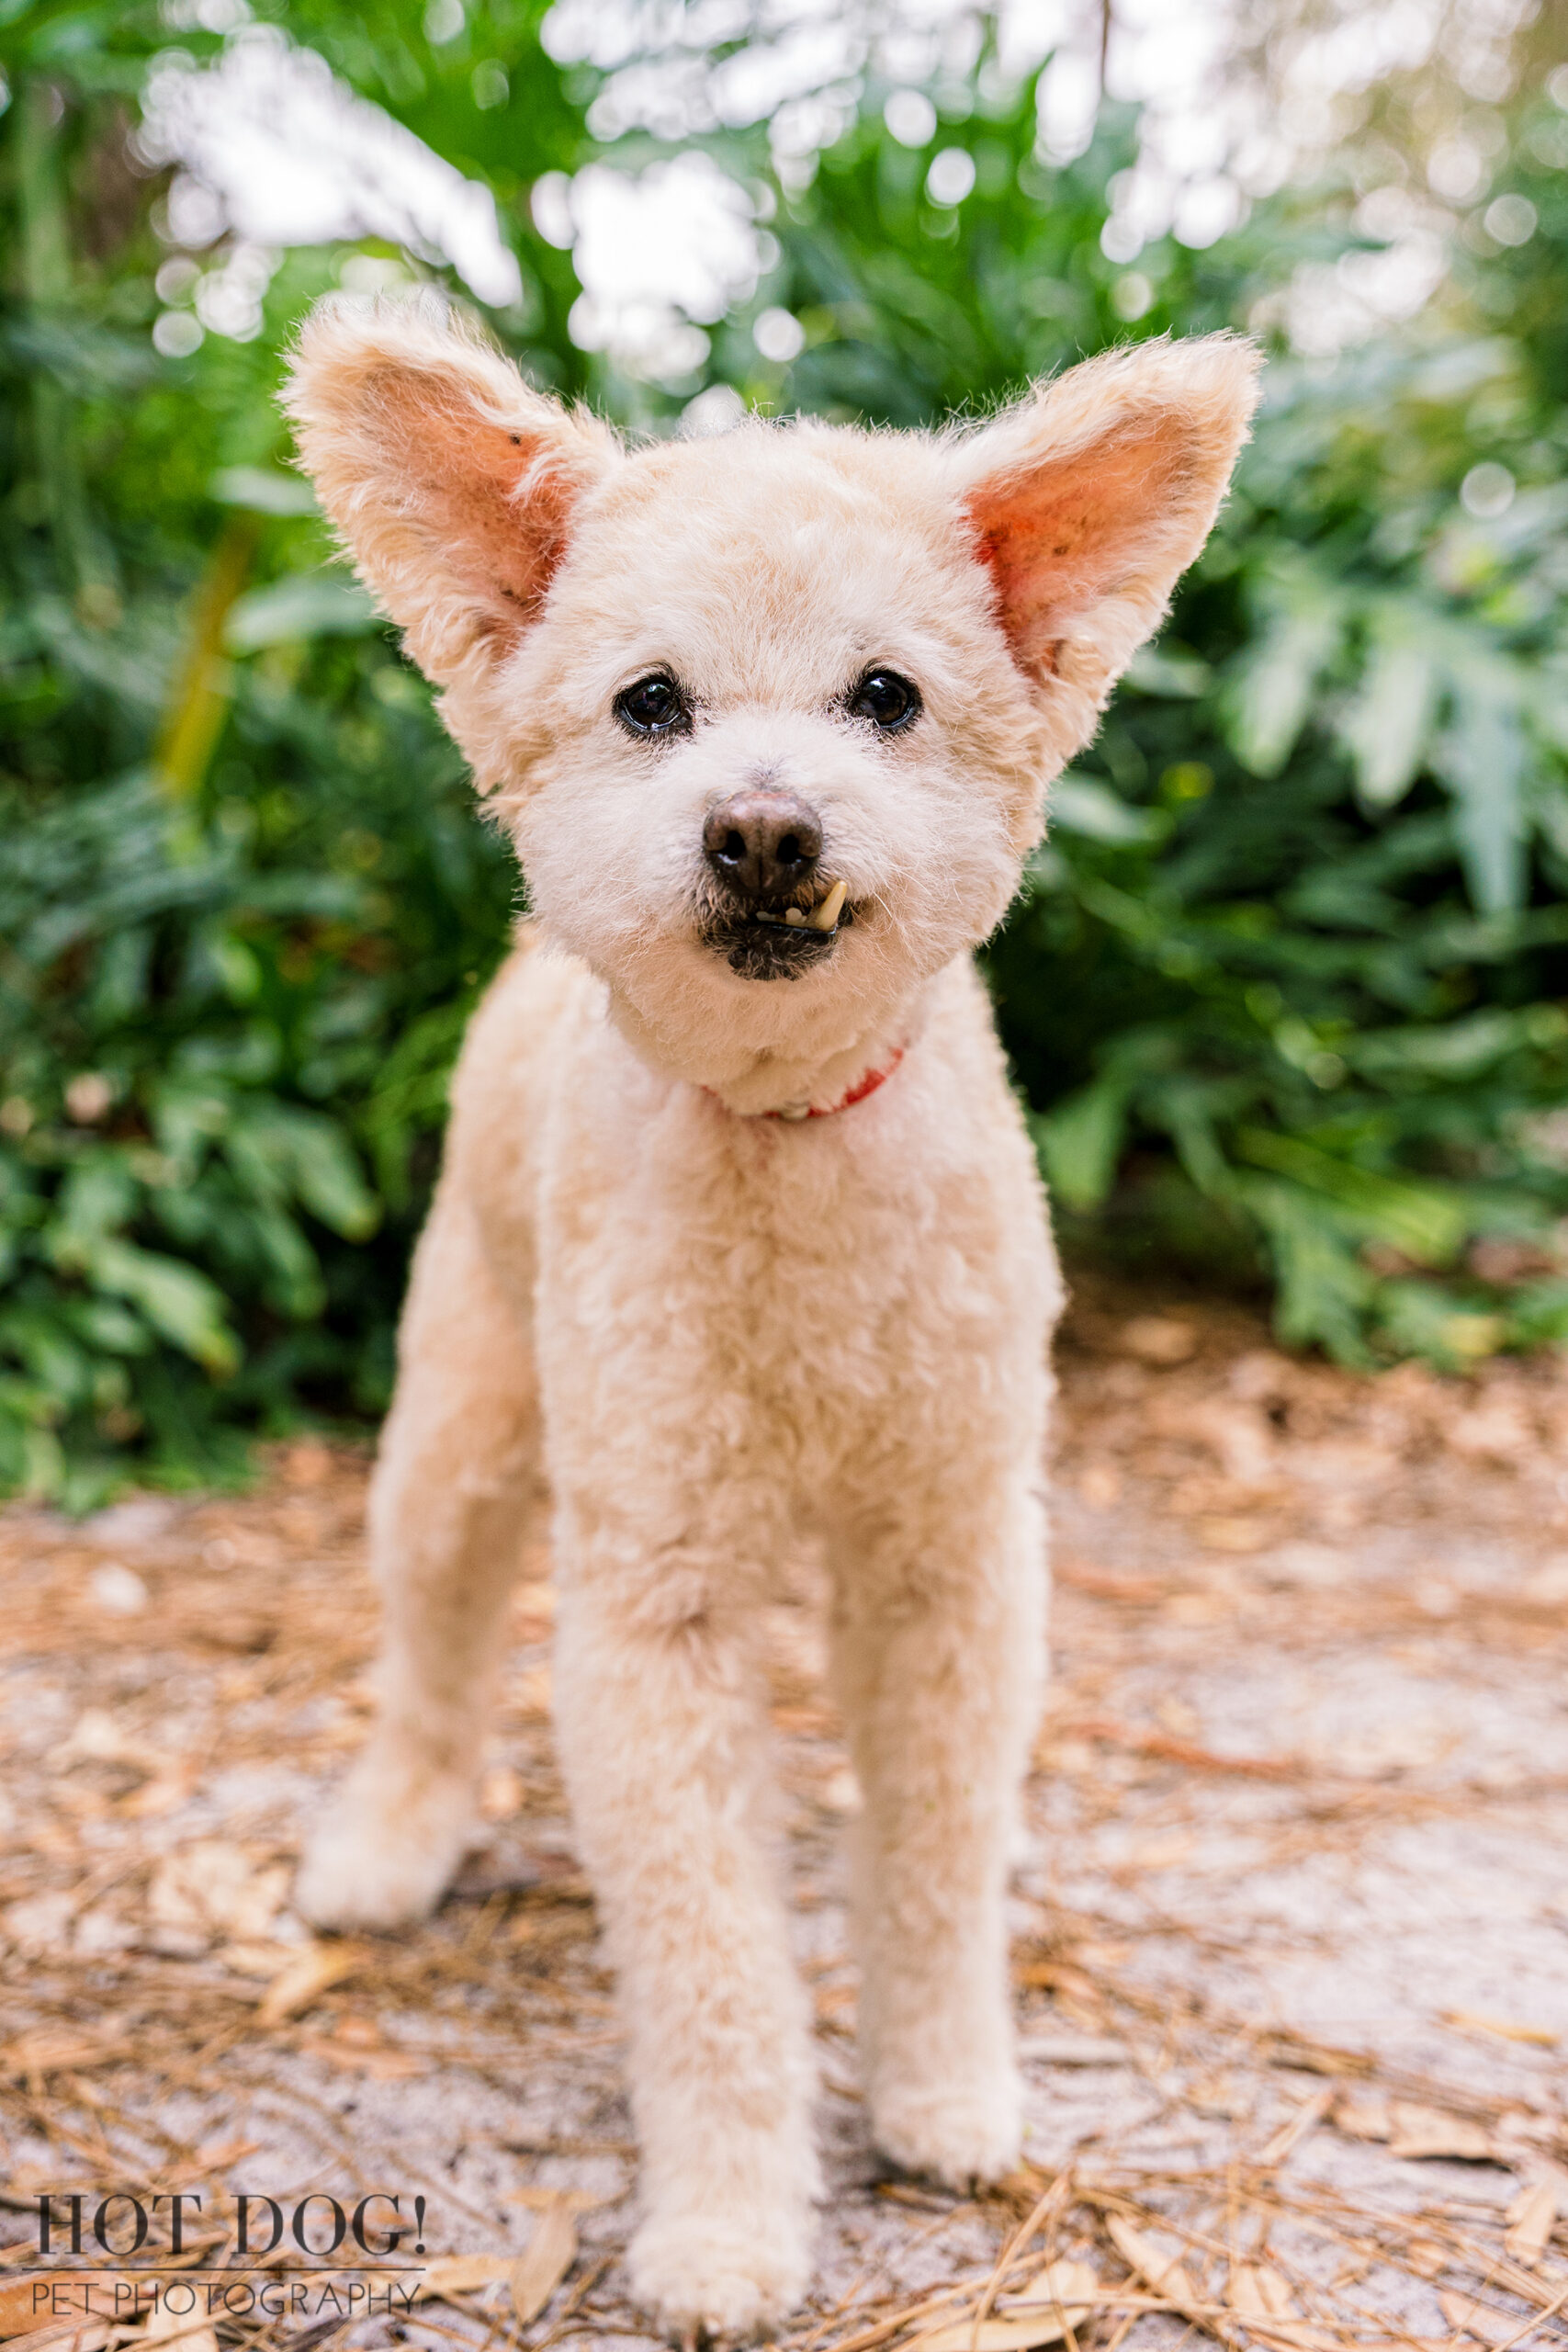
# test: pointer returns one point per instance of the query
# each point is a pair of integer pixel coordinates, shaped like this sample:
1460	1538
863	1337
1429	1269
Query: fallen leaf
1063	2294
1159	1340
1362	2116
1137	1592
1418	2131
382	2061
1484	2321
164	2326
461	2274
42	2326
543	2262
263	1961
1533	2217
1074	2050
1166	1746
296	1985
19	2308
996	2334
67	2335
1163	2271
1057	2299
1170	2281
1259	2291
1426	2257
1542	2037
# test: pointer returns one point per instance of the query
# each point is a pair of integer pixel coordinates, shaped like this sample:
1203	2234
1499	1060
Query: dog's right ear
451	483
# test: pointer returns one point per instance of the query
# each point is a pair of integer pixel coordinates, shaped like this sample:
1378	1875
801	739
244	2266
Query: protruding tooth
795	914
824	917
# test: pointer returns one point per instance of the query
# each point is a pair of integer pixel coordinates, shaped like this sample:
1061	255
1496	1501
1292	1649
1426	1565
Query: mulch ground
1291	1933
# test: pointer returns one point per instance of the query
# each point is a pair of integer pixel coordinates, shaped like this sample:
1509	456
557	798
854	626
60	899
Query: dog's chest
806	1276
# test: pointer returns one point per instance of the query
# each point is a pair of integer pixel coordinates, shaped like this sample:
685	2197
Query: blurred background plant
1287	990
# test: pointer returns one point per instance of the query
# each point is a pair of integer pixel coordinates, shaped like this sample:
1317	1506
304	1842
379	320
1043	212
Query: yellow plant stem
199	704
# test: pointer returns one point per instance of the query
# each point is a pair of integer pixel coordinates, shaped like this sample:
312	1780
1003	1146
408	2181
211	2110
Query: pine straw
1299	1830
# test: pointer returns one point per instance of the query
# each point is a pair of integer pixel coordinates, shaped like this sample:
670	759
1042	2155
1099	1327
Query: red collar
857	1093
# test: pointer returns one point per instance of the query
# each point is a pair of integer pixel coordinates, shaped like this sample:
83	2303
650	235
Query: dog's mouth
763	942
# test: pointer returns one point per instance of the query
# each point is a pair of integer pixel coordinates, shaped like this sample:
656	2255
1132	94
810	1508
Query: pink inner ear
462	475
1069	531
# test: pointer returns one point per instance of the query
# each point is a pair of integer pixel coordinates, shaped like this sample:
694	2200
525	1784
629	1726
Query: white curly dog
740	1238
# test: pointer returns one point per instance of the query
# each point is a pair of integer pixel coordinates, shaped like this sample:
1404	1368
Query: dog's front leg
939	1657
456	1489
663	1735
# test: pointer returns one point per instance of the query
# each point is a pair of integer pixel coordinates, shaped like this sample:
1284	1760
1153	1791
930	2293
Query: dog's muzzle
765	908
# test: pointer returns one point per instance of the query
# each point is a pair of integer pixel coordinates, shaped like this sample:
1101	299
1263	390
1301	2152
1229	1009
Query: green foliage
228	997
1287	985
246	904
1285	989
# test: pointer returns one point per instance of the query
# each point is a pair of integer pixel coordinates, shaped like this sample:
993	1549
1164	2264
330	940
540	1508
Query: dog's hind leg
661	1716
937	1642
455	1489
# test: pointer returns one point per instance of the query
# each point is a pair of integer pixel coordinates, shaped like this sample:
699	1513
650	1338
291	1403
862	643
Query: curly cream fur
698	1335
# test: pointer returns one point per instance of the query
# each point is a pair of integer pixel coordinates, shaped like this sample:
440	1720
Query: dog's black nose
763	843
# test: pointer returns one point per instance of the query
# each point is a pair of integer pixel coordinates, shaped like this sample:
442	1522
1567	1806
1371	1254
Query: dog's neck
818	1074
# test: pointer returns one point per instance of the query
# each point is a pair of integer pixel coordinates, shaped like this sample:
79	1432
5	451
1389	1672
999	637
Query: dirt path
1290	1934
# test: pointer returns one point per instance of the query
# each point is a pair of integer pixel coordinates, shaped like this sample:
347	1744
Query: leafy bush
1286	987
228	997
245	903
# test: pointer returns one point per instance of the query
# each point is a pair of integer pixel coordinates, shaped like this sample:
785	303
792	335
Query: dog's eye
653	707
890	702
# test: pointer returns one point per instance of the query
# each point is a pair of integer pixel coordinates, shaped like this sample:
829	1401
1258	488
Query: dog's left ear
1091	499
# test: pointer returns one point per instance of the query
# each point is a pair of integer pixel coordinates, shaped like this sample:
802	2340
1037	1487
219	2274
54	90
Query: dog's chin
763	947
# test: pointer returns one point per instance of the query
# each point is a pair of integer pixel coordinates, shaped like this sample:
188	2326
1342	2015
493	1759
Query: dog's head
771	717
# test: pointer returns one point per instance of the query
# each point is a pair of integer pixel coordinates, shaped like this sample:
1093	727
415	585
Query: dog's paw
959	2134
730	2277
374	1864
